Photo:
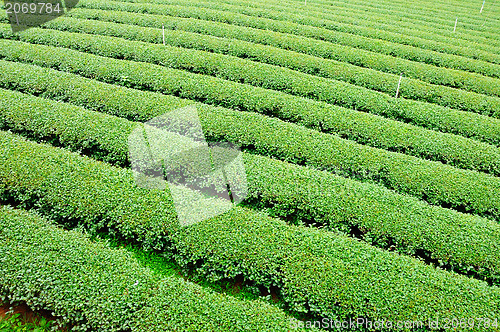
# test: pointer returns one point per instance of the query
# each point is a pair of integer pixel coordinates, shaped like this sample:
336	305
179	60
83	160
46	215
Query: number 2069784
32	8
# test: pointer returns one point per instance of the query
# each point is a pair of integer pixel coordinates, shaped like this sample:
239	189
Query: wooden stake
482	7
399	84
455	28
163	31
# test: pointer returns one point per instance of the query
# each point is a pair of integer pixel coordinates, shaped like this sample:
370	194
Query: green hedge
318	89
396	21
316	271
399	10
319	29
131	104
94	287
381	217
432	181
358	57
272	77
263	76
473	26
394	136
420	12
413	47
382	25
289	191
64	124
441	17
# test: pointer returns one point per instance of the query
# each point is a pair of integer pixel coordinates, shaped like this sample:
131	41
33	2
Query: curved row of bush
407	29
368	78
467	8
388	13
332	21
94	287
480	27
431	74
411	32
317	272
454	150
392	135
247	72
419	12
464	242
400	17
317	30
414	14
103	139
476	25
437	183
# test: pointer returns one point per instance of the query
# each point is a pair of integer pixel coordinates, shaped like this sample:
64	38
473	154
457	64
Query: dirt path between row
26	314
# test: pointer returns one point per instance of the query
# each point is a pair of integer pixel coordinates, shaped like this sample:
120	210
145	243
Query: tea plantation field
369	137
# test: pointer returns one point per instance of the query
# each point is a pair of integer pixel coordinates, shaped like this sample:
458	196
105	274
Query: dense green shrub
478	28
316	271
354	125
91	133
410	47
432	181
482	29
271	77
395	136
398	12
23	323
319	29
94	287
289	191
248	98
379	25
362	46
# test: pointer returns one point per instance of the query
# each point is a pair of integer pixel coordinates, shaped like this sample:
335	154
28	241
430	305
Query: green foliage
432	181
459	241
418	12
257	99
317	28
316	271
314	14
287	191
143	106
91	133
16	323
383	24
321	47
163	267
270	77
98	288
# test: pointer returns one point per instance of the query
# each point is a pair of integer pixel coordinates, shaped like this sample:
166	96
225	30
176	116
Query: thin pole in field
482	7
399	85
17	19
163	32
455	28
